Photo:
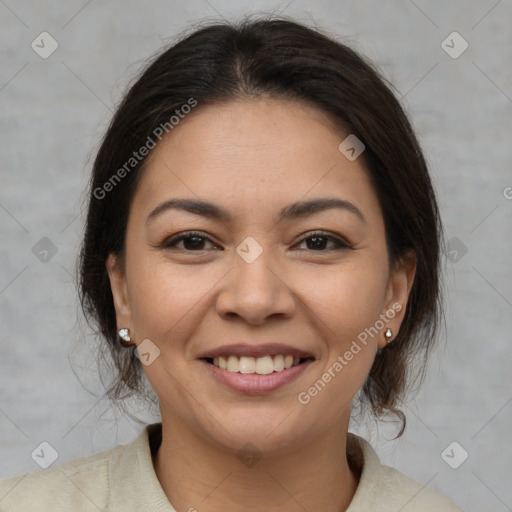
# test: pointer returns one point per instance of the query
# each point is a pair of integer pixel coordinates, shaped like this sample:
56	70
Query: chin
268	429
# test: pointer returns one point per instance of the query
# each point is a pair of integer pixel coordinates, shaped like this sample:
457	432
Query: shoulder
388	490
122	478
82	483
411	495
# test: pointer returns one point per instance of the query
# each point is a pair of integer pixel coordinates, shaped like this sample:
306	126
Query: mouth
256	369
264	365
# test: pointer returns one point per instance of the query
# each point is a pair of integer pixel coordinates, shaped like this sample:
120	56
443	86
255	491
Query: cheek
349	299
345	306
163	297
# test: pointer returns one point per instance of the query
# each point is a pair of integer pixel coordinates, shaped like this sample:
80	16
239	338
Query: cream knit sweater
123	480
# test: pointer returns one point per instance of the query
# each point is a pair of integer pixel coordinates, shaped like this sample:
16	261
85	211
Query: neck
196	474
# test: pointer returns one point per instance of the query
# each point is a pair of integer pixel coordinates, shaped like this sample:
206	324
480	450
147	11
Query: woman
262	244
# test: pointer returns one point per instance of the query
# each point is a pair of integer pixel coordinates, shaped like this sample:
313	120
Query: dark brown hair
276	58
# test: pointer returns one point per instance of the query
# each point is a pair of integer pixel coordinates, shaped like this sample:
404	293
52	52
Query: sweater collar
135	486
133	480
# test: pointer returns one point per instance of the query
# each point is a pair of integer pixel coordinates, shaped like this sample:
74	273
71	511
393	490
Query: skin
252	158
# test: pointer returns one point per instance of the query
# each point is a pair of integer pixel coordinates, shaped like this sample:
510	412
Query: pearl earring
388	335
124	337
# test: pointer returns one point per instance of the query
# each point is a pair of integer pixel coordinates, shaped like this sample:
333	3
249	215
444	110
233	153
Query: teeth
278	363
260	365
233	364
264	365
247	365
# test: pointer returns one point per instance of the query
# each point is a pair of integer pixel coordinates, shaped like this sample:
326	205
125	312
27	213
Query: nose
255	292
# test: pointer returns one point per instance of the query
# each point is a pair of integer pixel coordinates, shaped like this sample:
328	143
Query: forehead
258	152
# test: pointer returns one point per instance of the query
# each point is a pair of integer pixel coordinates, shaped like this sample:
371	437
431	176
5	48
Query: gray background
53	112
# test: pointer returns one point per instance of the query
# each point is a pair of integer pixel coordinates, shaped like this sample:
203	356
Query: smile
244	376
260	365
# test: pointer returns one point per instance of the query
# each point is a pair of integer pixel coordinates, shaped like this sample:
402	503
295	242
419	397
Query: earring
388	335
124	337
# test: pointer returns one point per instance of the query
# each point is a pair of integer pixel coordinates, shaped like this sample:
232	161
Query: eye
191	241
321	241
195	241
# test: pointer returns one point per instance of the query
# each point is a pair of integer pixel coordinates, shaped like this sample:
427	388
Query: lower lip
255	384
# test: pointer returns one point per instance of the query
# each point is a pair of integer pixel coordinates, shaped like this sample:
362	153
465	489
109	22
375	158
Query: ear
399	286
119	289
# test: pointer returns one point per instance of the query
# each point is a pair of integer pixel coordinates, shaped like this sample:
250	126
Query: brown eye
189	242
323	242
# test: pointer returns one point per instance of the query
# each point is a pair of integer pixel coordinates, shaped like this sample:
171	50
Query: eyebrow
292	211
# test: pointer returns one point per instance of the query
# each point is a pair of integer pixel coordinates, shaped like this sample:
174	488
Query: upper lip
256	351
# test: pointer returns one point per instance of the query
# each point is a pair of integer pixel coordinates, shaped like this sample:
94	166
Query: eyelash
339	243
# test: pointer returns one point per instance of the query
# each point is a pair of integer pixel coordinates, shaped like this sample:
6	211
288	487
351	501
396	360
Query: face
253	243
